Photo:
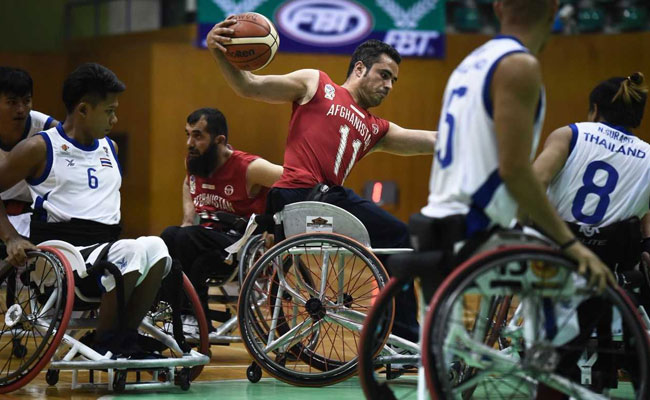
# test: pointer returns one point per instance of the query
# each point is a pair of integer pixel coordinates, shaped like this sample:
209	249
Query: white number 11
344	130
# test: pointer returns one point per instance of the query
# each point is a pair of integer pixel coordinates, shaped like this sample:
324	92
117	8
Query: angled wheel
387	371
33	325
316	290
187	333
558	336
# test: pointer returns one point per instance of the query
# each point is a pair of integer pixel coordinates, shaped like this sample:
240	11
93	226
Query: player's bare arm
554	155
406	142
515	94
261	173
298	86
26	160
188	205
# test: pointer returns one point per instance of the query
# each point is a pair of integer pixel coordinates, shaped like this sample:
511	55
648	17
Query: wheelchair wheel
399	359
303	325
558	336
190	332
37	318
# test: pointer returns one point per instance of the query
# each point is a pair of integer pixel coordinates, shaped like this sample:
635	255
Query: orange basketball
254	42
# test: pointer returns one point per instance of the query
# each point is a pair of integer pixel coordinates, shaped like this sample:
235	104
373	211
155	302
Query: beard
204	164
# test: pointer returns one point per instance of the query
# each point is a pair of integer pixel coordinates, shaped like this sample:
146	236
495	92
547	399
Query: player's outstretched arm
554	155
262	173
188	205
298	86
406	142
26	160
515	93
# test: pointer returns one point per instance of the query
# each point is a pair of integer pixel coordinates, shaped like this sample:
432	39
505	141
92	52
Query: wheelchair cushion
426	264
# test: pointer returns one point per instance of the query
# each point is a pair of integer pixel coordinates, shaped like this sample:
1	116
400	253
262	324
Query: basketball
254	42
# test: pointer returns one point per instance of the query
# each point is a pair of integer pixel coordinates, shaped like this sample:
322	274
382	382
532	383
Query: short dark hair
90	82
216	121
620	100
369	52
15	81
526	12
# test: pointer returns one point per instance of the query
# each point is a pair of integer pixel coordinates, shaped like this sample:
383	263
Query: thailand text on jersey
605	178
464	177
327	136
79	181
225	190
36	122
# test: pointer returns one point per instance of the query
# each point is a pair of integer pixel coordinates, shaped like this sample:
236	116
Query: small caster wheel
19	350
183	379
119	381
254	373
52	377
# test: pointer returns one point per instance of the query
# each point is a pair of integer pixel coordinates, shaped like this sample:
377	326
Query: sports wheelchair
515	320
45	317
303	302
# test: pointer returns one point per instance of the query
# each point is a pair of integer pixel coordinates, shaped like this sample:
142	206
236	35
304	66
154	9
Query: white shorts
130	255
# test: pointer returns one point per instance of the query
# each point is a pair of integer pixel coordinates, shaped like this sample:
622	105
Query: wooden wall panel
47	71
167	78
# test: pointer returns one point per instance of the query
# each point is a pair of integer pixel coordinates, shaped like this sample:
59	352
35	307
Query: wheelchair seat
76	262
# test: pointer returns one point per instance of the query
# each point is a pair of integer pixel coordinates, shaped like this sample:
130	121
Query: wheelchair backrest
314	216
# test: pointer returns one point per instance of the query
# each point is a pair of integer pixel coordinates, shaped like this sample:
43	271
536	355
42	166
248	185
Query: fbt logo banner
414	27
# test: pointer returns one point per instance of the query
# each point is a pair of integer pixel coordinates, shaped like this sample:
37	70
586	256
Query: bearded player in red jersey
330	130
219	179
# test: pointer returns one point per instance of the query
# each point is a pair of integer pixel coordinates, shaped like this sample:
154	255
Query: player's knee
156	255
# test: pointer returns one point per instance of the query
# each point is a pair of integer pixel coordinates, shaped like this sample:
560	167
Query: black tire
52	377
542	280
254	373
325	366
376	329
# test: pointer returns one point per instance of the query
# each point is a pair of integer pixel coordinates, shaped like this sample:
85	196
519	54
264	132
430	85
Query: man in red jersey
331	129
219	179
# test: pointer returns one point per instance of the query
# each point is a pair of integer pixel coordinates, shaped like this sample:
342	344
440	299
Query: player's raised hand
220	34
16	248
590	265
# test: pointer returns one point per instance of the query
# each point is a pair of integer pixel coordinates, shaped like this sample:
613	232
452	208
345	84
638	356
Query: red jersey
225	189
327	136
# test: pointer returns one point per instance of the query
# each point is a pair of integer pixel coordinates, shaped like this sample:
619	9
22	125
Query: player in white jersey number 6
74	178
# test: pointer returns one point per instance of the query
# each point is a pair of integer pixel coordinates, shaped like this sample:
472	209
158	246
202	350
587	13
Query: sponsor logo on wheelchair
319	224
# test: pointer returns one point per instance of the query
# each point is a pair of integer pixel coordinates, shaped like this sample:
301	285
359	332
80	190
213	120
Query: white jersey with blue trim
36	122
79	181
464	177
605	178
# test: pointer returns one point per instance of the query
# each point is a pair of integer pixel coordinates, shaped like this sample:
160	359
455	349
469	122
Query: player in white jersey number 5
74	177
493	108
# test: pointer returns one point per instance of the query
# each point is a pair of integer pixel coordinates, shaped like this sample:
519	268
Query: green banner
413	27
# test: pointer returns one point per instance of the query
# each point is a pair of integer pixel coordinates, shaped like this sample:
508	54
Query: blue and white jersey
464	177
606	177
36	122
79	181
